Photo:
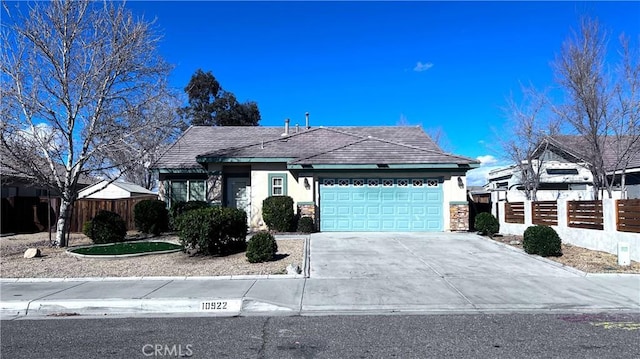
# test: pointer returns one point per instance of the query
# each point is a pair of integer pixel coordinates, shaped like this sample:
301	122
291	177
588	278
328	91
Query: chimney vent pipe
286	127
306	116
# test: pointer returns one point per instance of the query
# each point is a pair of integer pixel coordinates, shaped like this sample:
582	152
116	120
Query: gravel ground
55	263
586	260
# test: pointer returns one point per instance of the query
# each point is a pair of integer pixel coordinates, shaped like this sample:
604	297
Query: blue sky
434	64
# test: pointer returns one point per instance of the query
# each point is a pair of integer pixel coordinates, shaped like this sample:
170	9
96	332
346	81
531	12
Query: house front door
238	194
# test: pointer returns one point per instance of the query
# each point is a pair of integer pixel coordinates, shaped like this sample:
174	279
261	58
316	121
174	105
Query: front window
276	186
189	190
178	191
196	191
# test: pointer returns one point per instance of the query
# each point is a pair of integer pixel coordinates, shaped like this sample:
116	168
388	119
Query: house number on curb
220	305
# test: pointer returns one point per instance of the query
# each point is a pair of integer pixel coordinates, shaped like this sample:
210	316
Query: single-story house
114	190
565	172
346	178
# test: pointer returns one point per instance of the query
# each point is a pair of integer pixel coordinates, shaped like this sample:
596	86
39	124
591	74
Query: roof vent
286	127
306	118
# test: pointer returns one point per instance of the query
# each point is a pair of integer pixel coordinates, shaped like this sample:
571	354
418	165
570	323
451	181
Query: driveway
449	272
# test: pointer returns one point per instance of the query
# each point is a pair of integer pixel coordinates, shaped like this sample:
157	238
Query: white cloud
487	160
480	175
422	67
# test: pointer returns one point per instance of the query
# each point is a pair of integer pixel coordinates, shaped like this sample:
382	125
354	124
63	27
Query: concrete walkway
360	273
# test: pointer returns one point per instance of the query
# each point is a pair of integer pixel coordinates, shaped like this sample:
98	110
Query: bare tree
144	148
75	76
528	125
626	113
599	107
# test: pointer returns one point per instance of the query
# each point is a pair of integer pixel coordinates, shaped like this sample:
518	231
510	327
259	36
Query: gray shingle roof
318	145
614	149
132	187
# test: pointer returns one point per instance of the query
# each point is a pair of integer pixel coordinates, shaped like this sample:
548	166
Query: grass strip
126	248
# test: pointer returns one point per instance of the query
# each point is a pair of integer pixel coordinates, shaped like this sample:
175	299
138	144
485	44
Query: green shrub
105	227
214	230
181	207
487	224
261	248
306	225
277	213
542	240
151	216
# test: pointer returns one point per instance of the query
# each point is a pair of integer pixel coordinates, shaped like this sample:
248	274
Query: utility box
624	258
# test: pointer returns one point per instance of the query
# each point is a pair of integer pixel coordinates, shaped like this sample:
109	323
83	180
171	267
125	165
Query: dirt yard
55	263
586	260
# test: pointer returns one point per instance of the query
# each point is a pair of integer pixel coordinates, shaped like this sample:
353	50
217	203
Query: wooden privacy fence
85	209
514	212
585	214
628	215
544	213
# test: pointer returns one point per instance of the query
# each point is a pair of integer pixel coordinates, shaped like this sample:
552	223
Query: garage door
380	204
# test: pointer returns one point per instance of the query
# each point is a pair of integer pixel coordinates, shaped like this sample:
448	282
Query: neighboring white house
565	173
558	180
114	190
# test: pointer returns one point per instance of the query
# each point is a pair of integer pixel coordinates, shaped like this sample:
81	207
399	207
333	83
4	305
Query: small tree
75	76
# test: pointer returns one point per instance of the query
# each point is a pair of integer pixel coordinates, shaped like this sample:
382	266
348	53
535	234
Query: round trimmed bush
306	225
542	240
181	207
214	230
487	224
261	248
151	216
277	213
105	227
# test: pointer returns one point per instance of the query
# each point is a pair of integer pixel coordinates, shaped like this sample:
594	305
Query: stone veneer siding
308	210
459	217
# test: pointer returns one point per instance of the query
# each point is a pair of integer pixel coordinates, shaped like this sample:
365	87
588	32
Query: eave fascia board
387	166
180	170
208	159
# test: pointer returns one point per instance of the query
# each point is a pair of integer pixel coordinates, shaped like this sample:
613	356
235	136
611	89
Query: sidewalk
286	295
104	296
370	274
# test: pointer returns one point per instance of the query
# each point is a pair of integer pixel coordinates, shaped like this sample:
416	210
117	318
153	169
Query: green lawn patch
126	248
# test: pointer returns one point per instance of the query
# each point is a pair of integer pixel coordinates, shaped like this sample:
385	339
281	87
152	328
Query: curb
113	279
102	307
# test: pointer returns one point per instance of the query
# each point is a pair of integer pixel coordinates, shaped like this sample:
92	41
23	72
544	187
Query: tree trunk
62	227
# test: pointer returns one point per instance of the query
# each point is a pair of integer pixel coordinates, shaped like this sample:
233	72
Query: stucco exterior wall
260	189
307	192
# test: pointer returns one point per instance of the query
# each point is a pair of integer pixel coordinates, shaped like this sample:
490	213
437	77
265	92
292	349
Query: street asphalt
348	273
